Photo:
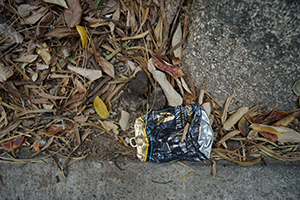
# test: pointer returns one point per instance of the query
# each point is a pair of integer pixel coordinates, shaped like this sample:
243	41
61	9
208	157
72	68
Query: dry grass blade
214	169
228	136
235	161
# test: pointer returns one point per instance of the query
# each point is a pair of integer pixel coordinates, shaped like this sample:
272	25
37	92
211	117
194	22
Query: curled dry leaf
57	2
74	13
83	35
252	135
44	54
172	96
124	120
284	134
5	72
90	74
234	118
173	70
100	108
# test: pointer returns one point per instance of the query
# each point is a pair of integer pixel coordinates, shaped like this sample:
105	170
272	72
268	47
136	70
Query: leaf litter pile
74	75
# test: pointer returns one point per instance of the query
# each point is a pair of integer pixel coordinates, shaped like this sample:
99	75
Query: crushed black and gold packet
159	135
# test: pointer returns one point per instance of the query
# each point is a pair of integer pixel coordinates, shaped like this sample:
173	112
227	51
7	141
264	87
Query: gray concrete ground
94	179
250	48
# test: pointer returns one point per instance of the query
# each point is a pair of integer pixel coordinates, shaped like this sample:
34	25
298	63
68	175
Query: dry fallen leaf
56	128
234	118
44	54
284	134
83	35
79	85
58	2
62	32
110	125
90	74
31	14
173	70
74	13
107	67
12	144
172	96
228	136
36	145
124	120
44	22
100	108
26	58
5	72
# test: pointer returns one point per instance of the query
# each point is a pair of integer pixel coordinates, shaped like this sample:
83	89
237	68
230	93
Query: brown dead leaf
12	144
62	32
80	118
107	67
56	128
9	87
26	58
110	125
74	13
79	85
228	136
44	54
5	72
35	13
57	2
90	74
234	118
44	22
173	70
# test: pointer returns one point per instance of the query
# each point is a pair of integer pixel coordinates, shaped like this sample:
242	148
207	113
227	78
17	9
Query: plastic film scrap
159	135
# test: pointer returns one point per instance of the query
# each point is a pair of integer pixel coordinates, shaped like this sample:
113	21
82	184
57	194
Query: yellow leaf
83	35
100	108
